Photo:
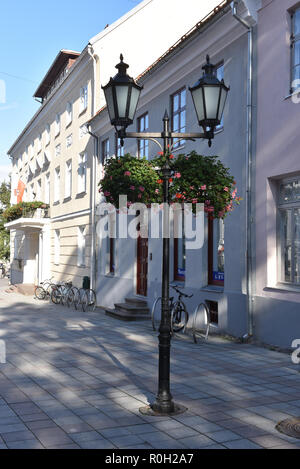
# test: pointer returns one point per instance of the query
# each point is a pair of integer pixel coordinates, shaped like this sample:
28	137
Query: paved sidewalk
77	380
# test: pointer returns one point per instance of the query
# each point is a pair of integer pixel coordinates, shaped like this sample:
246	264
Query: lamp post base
156	412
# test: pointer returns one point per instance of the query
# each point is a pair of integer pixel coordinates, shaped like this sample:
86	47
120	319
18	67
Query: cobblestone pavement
77	380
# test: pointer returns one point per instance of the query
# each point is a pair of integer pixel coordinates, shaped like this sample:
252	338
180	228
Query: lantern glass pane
211	94
222	103
122	95
135	94
197	95
110	102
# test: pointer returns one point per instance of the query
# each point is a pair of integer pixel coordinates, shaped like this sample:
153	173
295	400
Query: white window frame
39	190
105	150
56	247
285	204
69	113
81	246
48	135
57	184
82	173
68	179
143	144
83	100
57	124
47	188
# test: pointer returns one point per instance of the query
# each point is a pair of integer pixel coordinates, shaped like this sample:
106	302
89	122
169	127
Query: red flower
160	181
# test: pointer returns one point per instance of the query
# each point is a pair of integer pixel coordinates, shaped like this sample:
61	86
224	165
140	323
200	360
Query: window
69	117
39	190
56	247
40	143
47	134
295	50
57	125
47	188
120	148
110	246
220	76
143	145
82	164
32	193
68	179
69	140
215	252
58	150
57	184
81	247
105	150
178	107
289	232
179	247
83	102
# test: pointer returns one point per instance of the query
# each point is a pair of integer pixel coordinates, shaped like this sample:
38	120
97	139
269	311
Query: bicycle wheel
39	293
84	300
64	295
179	317
156	313
202	313
56	295
72	295
90	300
79	297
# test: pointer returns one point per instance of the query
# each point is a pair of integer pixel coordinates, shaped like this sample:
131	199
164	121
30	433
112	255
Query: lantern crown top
209	69
122	67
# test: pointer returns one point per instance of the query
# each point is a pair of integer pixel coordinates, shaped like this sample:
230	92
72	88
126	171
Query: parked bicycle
59	292
43	290
179	313
84	299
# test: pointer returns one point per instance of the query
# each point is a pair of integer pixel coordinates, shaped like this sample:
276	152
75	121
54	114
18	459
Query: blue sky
31	34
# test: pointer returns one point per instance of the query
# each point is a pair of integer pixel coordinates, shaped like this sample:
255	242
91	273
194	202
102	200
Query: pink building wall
278	137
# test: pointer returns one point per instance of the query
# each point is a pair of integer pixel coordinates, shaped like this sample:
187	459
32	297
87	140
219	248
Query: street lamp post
209	97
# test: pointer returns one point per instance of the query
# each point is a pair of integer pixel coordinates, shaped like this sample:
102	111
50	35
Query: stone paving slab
77	380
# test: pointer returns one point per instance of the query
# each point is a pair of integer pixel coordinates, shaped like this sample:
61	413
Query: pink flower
177	175
207	202
127	173
141	188
203	188
132	188
140	196
111	178
106	193
192	188
226	189
194	201
156	191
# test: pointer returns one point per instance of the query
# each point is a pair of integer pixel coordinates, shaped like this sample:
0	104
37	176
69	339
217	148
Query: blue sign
218	276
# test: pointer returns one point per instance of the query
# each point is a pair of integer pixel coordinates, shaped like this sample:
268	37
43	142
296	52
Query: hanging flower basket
195	179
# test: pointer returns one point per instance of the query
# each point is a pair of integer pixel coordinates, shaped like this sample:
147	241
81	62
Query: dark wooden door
142	266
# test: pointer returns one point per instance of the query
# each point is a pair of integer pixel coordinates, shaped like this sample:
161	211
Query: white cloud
4	172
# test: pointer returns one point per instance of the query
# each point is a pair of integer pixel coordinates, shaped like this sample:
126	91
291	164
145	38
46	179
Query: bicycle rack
194	330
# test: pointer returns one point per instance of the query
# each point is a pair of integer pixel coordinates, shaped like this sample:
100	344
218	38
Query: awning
27	224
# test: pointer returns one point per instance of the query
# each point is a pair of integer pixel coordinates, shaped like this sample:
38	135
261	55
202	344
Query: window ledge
283	288
212	289
56	202
57	135
80	195
110	275
67	199
82	112
69	124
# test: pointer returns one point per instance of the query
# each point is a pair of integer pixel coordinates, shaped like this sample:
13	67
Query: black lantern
209	95
122	94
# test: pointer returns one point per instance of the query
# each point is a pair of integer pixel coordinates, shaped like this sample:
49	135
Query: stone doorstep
137	302
26	289
126	315
132	309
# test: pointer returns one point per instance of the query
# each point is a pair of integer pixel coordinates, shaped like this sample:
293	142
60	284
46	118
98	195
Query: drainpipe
93	261
249	286
93	210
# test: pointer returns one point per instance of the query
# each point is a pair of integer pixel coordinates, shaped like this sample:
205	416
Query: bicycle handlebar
177	289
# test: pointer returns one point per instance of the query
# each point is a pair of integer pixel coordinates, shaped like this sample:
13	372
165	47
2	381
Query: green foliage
130	176
4	235
195	179
22	209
